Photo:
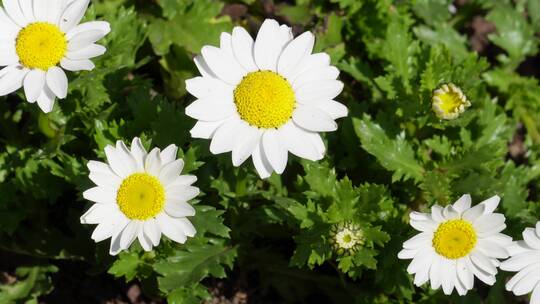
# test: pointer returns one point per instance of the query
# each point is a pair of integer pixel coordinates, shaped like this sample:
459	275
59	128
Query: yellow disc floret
141	196
454	239
449	101
41	45
264	99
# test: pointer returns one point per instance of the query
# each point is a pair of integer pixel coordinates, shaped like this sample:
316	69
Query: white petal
435	273
295	52
168	155
8	57
12	80
489	222
73	14
209	110
181	193
210	88
179	209
129	234
9	27
319	90
187	227
418	241
33	84
145	242
298	143
263	167
407	254
170	228
14	11
450	213
97	213
55	8
87	52
420	260
481	274
46	99
333	108
97	166
317	141
473	213
152	163
57	81
225	43
121	162
205	129
426	225
203	67
184	180
223	139
274	151
138	152
436	214
115	247
314	61
40	9
463	203
482	262
247	138
268	46
491	204
313	119
151	229
103	231
447	276
521	261
82	40
535	296
100	195
223	64
524	281
107	179
102	26
77	65
530	237
242	44
171	171
27	10
491	249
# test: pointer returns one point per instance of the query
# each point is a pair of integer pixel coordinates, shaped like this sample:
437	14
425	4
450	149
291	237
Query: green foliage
274	240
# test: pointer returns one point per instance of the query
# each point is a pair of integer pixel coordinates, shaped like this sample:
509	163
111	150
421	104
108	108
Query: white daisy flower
140	195
448	102
38	35
265	98
525	260
456	244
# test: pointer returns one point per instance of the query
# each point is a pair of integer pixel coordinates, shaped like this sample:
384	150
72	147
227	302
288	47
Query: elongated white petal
313	119
295	52
168	155
77	65
12	80
463	203
263	167
242	44
87	52
267	49
179	209
223	64
100	195
57	81
14	11
275	153
73	14
102	26
46	100
33	84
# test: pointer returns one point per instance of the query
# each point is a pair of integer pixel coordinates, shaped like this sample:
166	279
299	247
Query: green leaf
393	154
126	265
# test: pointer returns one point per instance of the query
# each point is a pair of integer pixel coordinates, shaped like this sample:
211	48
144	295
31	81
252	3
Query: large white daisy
265	98
140	195
525	260
38	35
456	244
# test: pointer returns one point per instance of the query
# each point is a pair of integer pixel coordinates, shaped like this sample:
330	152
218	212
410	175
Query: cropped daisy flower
449	101
347	238
39	39
265	98
140	195
525	260
455	244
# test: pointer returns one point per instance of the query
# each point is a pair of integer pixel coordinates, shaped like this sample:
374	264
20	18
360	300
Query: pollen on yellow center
264	99
454	239
141	196
41	45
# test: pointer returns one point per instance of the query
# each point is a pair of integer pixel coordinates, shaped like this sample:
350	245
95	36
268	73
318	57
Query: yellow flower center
449	101
141	196
454	239
264	99
41	45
